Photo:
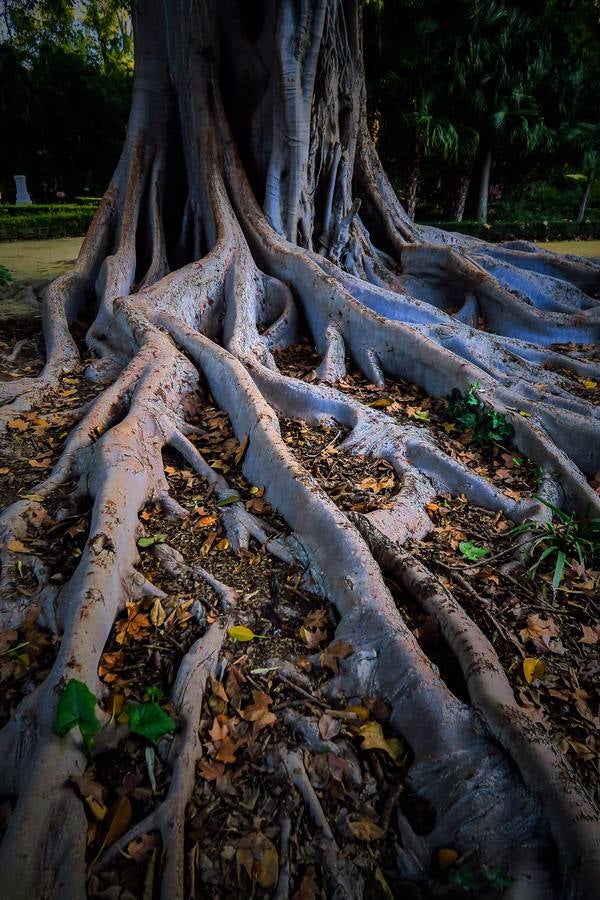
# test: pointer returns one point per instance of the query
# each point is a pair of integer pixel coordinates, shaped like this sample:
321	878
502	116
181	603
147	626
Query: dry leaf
117	821
446	857
211	770
312	638
337	650
258	857
157	613
17	425
373	739
591	634
363	830
142	845
17	547
329	727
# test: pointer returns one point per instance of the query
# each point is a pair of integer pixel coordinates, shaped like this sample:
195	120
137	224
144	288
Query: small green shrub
5	276
564	540
470	412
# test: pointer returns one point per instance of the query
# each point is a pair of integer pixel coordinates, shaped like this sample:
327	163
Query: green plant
149	720
470	412
564	540
76	708
5	276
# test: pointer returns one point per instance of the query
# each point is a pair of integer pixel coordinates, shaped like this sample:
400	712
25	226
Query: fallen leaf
373	739
116	822
446	857
211	770
17	547
591	634
257	855
39	463
533	669
363	830
589	384
312	638
17	425
337	650
329	727
142	845
157	613
241	633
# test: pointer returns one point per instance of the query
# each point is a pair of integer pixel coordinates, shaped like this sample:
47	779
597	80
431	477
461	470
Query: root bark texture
175	312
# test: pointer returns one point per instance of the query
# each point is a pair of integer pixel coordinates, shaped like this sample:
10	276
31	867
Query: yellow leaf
223	544
446	857
525	415
361	711
98	810
381	403
373	739
589	384
240	633
533	669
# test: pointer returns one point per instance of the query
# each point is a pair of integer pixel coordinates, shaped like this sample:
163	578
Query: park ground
547	642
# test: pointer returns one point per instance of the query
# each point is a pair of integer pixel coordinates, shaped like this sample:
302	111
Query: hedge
536	230
61	222
34	208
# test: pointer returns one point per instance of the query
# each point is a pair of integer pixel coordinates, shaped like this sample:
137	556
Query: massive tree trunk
249	204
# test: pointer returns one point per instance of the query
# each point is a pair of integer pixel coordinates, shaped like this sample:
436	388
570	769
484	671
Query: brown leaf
258	857
218	690
308	890
312	638
227	750
39	463
258	712
141	846
337	650
116	822
211	770
17	425
239	455
17	547
363	830
329	727
591	634
157	613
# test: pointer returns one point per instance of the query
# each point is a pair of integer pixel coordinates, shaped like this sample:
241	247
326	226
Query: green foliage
471	551
149	720
527	230
61	222
151	540
5	276
566	539
76	708
470	412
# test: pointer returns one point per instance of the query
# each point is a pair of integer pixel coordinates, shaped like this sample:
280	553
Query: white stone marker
23	198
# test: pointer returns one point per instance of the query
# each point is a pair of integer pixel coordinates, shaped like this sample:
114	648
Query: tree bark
189	279
459	201
586	194
412	180
484	185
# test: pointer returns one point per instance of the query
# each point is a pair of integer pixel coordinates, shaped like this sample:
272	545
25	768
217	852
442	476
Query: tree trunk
586	194
484	186
249	207
412	181
459	201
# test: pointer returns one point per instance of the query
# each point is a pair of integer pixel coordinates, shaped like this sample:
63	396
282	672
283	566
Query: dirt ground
270	690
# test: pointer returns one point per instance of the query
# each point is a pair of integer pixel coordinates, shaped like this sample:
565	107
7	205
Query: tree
249	191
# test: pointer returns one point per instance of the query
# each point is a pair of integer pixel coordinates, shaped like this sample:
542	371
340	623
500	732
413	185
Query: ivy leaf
76	707
149	720
471	551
